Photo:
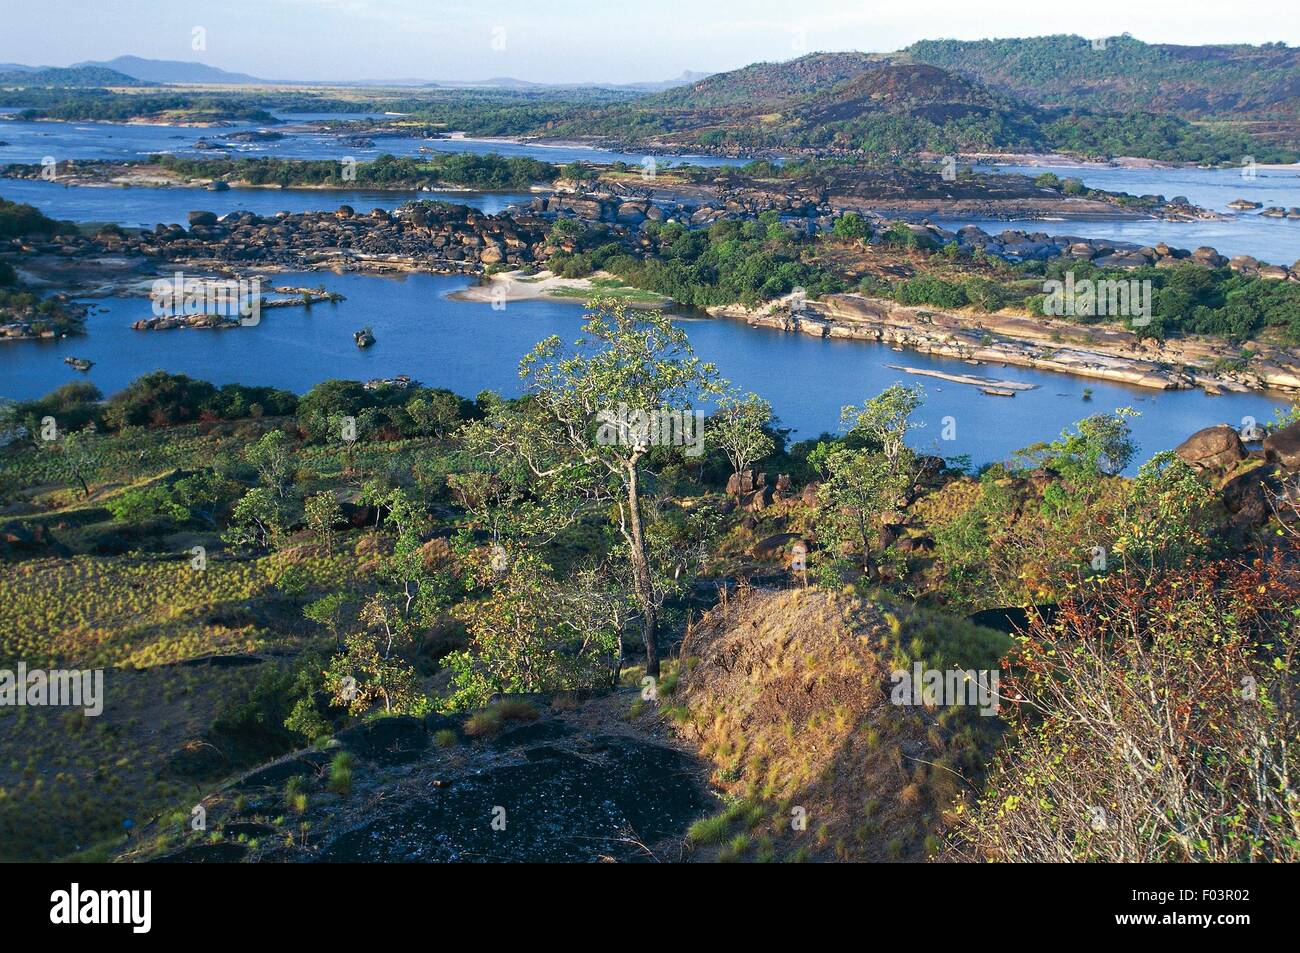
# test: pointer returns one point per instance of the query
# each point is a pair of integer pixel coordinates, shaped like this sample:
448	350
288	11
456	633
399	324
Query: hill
1189	81
169	71
788	692
885	108
83	75
840	100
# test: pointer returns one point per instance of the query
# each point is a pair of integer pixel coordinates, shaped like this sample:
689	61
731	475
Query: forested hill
72	76
822	100
889	107
1123	74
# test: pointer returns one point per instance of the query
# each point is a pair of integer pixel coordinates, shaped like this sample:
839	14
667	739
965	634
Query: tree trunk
641	576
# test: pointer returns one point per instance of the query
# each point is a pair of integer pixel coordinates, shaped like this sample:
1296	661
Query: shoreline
146	180
511	286
1100	352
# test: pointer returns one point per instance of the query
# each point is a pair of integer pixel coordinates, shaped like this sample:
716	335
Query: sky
572	41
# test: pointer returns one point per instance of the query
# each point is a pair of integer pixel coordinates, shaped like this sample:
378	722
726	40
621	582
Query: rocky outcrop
1214	448
1282	447
421	236
1102	352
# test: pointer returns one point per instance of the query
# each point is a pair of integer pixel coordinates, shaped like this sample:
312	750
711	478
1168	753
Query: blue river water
146	207
1241	233
31	142
470	347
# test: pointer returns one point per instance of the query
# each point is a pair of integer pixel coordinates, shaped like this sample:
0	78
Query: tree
272	457
435	413
628	362
1100	445
739	429
322	512
373	666
80	455
885	420
257	520
203	494
328	612
851	225
532	632
859	486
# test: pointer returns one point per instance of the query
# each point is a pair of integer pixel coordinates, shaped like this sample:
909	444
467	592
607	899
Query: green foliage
464	169
18	220
341	768
160	399
139	505
728	262
73	406
281	710
1100	445
851	225
259	520
532	632
740	429
322	512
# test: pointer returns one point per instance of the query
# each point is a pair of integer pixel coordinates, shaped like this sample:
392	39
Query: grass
446	738
341	768
295	797
490	720
126	610
709	830
67	781
787	702
612	288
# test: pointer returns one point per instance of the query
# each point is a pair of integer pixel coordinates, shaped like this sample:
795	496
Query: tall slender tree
580	433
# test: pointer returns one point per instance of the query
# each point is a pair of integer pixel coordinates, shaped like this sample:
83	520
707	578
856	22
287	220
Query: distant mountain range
1109	97
170	71
139	71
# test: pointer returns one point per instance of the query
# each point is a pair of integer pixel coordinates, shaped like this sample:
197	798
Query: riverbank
1104	352
503	288
223	174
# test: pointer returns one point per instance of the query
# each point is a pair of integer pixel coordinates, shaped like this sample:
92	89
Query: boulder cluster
1256	482
441	237
1019	245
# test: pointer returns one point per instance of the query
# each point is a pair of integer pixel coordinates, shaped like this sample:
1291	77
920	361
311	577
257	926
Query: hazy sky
576	40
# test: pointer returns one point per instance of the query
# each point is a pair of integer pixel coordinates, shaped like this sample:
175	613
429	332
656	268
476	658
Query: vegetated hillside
1190	81
840	100
70	76
856	102
767	82
789	694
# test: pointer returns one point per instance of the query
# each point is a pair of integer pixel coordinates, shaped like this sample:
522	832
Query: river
31	142
146	207
1241	233
469	347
